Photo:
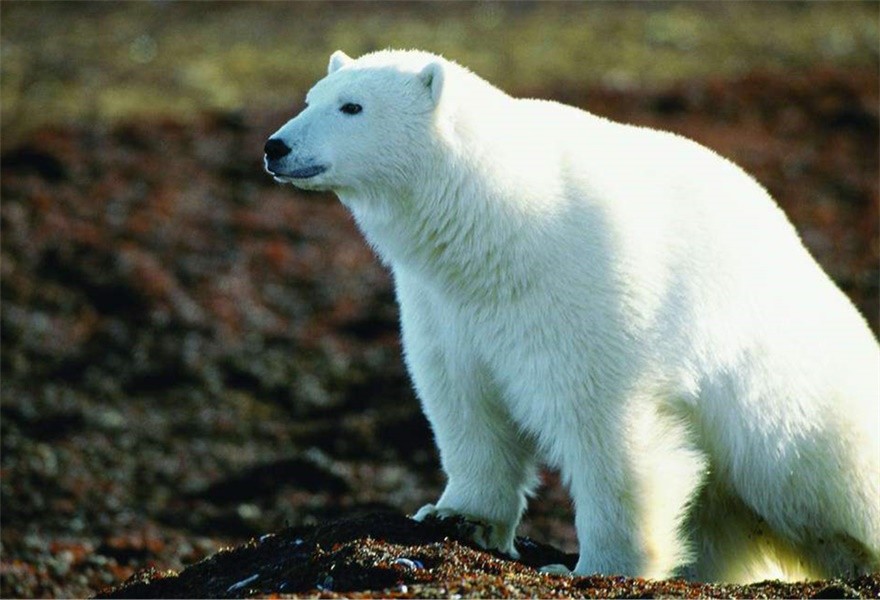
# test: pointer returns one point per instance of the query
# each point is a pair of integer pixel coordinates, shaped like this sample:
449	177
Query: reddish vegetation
193	355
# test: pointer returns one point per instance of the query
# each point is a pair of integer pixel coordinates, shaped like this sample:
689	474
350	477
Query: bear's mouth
303	173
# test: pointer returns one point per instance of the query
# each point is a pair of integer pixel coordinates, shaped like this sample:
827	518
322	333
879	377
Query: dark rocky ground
384	555
193	356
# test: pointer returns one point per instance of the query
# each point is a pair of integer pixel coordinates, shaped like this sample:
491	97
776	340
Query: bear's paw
486	534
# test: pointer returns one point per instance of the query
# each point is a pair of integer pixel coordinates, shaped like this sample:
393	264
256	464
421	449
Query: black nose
275	149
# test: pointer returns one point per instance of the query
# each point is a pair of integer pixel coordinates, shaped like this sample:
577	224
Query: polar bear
618	302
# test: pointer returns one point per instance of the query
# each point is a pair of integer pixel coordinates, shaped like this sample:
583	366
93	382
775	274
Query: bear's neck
457	235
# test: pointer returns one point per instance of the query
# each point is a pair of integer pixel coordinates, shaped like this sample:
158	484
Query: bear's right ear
338	60
432	77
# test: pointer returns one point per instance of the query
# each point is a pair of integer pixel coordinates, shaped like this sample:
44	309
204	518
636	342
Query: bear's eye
351	109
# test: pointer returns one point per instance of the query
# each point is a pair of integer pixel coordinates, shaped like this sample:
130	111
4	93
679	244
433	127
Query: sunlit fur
616	301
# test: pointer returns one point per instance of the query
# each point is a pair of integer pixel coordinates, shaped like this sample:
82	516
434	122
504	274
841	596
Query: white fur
619	302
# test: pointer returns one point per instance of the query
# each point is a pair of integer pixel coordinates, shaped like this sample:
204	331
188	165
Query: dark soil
386	555
193	356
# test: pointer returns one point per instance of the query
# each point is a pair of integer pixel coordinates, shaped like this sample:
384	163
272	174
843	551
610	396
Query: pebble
242	583
409	563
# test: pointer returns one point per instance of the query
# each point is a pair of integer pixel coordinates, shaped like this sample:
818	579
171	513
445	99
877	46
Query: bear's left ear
432	77
338	60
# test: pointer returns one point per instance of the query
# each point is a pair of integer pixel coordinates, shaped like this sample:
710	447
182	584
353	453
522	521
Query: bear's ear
338	60
432	77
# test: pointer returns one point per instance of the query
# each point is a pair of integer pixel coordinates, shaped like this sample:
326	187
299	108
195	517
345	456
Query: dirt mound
386	555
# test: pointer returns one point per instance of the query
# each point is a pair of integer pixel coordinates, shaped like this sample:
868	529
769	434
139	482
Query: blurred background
193	355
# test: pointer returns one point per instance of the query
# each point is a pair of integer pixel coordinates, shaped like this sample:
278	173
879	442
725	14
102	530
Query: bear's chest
533	348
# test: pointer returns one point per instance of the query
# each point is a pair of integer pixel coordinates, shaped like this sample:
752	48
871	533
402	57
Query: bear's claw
487	535
556	569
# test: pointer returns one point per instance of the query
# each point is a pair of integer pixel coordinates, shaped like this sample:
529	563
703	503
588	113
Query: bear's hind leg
809	513
819	492
734	545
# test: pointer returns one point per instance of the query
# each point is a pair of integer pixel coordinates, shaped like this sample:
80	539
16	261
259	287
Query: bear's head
367	123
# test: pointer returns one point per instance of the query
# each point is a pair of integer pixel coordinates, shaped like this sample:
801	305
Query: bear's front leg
608	525
632	478
489	464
